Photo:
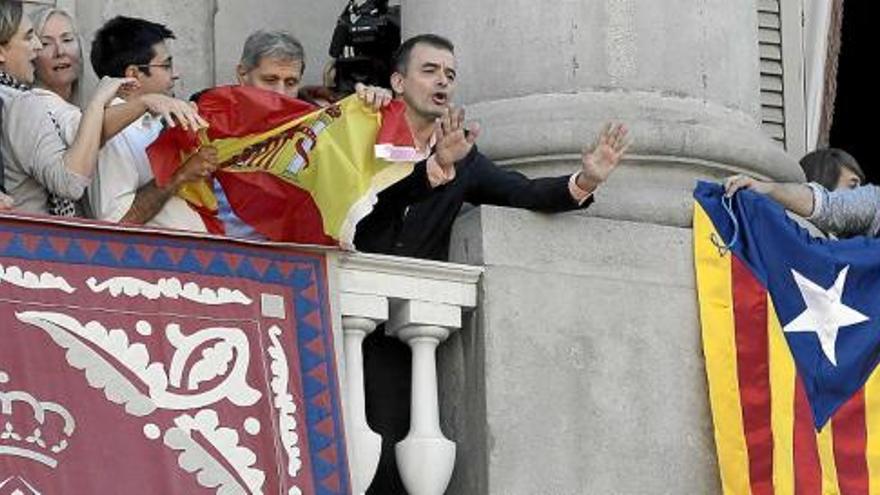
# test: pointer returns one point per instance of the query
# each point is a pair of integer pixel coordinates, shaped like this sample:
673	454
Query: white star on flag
825	314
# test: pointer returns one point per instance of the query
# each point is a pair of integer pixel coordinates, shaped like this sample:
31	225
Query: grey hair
39	17
276	44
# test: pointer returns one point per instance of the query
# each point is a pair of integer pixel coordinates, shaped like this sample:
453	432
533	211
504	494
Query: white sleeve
116	181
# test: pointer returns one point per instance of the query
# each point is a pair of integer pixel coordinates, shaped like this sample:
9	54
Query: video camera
367	34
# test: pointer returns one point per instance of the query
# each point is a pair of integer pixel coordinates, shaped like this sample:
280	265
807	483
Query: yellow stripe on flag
782	385
719	346
825	444
872	410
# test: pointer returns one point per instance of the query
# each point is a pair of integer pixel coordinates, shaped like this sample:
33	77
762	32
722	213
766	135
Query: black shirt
412	219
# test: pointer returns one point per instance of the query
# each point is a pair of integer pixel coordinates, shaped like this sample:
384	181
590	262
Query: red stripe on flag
807	467
753	368
850	445
277	209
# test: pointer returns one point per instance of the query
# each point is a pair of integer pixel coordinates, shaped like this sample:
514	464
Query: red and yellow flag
289	170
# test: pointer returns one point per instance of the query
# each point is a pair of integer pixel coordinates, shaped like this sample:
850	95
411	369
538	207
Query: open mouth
60	67
440	99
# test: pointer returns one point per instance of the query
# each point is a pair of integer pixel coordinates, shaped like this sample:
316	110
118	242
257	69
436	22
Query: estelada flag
791	336
290	171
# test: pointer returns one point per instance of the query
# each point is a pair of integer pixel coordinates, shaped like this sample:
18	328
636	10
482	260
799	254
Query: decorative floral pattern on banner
144	364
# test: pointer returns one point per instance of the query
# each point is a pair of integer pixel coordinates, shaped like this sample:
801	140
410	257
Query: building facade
581	371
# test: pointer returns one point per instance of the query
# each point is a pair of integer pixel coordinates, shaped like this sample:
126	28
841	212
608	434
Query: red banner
151	364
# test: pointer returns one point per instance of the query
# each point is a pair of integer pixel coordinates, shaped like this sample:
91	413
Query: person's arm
846	212
492	185
61	154
151	198
172	110
796	198
82	156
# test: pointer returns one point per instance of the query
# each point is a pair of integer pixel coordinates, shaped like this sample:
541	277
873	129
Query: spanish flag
791	337
289	170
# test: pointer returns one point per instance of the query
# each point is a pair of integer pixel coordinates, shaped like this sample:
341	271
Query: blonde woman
58	66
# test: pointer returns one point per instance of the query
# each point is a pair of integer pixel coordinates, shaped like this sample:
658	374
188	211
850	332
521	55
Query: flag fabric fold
791	337
290	171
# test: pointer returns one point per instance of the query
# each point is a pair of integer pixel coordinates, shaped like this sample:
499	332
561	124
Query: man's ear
397	83
2	54
133	72
241	73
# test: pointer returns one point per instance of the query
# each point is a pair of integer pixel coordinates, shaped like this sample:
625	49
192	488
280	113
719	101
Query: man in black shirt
415	216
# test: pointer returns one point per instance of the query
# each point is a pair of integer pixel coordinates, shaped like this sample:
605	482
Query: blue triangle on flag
246	270
161	260
306	333
301	278
131	258
74	253
189	263
309	359
314	415
17	249
304	307
103	256
45	250
320	467
273	274
312	386
218	266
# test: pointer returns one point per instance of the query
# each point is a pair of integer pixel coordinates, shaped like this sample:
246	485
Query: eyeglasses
169	65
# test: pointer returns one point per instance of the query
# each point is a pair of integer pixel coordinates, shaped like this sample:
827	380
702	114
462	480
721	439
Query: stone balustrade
421	303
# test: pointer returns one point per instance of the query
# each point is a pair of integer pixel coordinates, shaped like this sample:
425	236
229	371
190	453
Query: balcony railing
421	303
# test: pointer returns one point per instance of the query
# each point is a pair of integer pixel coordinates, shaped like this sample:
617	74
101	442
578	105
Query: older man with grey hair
272	60
275	61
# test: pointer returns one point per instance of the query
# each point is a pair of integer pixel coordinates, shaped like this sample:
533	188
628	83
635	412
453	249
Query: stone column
586	371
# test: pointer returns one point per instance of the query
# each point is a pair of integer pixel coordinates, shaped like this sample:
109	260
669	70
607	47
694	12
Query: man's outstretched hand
599	161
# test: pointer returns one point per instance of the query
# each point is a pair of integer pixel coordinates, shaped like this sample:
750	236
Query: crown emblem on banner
30	428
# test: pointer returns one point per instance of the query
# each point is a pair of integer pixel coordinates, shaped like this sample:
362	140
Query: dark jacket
412	219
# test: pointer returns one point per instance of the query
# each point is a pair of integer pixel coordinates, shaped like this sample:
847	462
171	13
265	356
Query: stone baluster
360	316
425	458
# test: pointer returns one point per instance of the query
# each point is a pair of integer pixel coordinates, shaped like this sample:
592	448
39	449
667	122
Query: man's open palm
603	158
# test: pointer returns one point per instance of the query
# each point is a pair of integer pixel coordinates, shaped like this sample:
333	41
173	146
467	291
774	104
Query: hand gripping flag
289	171
791	336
